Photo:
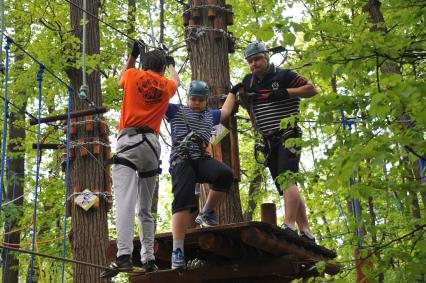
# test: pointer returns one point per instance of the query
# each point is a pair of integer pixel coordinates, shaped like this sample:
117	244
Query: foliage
332	43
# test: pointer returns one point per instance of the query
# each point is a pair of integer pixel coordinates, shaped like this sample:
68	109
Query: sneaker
289	230
307	236
122	264
149	266
206	219
178	260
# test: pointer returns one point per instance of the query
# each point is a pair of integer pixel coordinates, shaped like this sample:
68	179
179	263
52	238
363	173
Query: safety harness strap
123	161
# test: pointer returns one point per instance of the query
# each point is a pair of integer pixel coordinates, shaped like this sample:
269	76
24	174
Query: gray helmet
255	48
198	88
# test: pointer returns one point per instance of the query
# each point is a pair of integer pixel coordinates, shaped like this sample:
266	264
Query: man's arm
174	76
228	105
304	91
131	61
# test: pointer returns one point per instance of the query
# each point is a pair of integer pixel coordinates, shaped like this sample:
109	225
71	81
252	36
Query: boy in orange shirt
136	162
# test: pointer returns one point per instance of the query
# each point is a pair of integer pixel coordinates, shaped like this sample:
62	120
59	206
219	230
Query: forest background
368	65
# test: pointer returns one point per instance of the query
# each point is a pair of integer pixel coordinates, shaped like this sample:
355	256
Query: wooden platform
249	250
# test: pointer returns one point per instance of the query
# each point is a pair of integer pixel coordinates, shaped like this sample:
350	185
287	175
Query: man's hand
138	45
236	88
170	60
279	94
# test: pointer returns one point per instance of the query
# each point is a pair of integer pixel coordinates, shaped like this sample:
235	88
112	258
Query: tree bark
210	63
89	228
13	211
251	205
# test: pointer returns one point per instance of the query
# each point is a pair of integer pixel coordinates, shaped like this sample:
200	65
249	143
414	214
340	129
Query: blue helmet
255	48
198	88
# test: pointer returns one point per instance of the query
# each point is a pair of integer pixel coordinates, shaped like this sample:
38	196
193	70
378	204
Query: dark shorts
187	173
282	159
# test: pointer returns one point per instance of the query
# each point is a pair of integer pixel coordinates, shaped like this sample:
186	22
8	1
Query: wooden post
268	213
210	63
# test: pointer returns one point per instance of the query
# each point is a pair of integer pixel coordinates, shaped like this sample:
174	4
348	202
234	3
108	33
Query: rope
105	23
214	6
63	259
5	113
29	243
355	202
67	173
2	68
84	89
148	4
200	30
40	80
91	103
18	230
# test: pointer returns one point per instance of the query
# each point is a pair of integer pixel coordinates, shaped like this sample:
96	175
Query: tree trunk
13	211
89	228
253	188
209	62
16	143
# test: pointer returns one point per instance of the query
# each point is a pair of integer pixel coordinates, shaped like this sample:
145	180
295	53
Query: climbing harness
125	162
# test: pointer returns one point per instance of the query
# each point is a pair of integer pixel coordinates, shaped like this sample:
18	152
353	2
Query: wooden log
73	128
217	24
185	19
96	147
211	11
162	251
89	124
268	213
256	238
82	148
74	114
48	145
234	156
283	266
216	244
229	16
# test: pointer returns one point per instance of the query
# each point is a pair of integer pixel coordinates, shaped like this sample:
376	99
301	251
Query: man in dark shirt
271	94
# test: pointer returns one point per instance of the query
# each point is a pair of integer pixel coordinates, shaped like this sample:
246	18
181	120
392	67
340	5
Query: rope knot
40	73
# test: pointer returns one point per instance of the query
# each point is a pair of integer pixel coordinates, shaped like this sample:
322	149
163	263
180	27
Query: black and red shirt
266	113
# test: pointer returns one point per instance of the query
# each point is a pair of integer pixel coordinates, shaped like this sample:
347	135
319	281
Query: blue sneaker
206	219
178	260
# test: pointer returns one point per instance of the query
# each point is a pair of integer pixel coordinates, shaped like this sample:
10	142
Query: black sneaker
122	264
307	237
149	266
289	230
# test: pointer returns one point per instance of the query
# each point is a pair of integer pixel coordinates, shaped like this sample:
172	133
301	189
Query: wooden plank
283	266
254	237
234	230
74	114
48	145
219	245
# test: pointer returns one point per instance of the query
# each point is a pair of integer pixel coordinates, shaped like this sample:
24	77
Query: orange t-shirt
145	99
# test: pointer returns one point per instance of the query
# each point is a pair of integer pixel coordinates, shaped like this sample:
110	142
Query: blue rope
5	111
70	92
355	202
40	80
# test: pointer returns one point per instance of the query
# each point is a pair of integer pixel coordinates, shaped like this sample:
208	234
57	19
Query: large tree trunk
209	62
15	191
89	228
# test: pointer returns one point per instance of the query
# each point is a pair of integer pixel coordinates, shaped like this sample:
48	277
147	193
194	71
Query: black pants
282	159
187	173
